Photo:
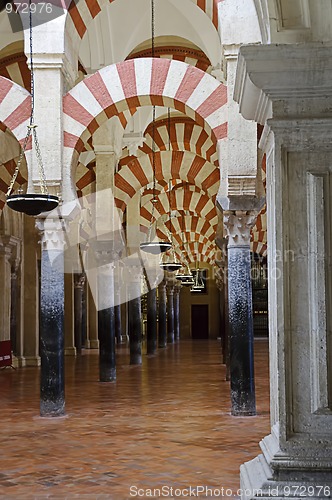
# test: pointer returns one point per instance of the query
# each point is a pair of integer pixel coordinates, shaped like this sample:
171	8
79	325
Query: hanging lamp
170	264
150	246
199	284
32	203
185	276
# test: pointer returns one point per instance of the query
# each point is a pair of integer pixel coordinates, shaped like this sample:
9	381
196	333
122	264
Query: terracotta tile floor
165	423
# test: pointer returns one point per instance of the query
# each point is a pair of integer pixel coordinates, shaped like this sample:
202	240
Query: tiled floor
165	423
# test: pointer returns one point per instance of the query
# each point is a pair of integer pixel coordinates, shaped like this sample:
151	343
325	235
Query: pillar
106	320
135	315
92	320
222	284
177	290
152	321
28	354
296	459
241	337
162	323
52	390
117	307
5	296
70	349
170	312
79	282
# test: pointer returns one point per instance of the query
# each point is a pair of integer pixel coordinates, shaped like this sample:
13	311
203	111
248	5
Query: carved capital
52	233
220	281
238	225
79	280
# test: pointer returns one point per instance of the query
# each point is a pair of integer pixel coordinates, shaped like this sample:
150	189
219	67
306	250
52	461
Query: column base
21	361
124	339
70	351
94	344
292	479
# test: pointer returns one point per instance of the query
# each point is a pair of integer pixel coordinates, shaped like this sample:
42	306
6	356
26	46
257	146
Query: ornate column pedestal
162	323
241	337
288	87
52	390
170	313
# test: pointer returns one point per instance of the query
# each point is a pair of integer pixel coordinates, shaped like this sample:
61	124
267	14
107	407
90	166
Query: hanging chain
31	126
152	29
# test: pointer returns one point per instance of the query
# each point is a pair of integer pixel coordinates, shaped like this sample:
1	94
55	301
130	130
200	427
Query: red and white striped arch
194	57
15	108
177	165
197	203
181	133
15	68
140	82
81	13
259	232
6	173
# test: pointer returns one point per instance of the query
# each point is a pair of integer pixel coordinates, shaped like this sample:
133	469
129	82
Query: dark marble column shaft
177	290
52	382
241	339
13	310
170	314
78	310
118	325
135	331
162	323
106	328
151	321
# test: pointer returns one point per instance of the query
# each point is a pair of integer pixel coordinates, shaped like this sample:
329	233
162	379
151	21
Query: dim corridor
166	422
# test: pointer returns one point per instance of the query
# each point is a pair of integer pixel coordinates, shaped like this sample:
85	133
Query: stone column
135	315
30	287
170	312
273	86
13	307
241	338
92	321
106	320
162	323
79	282
5	296
117	307
222	284
177	290
152	321
52	393
70	349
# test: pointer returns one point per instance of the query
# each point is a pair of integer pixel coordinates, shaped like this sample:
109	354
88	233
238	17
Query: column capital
79	280
52	232
238	225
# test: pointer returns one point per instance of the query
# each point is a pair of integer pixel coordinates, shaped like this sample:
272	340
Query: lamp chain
31	126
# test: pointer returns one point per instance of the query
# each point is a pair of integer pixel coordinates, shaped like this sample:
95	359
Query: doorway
199	321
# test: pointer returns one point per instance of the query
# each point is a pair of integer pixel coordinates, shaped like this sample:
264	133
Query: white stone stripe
218	117
85	98
202	92
174	78
12	101
143	72
72	126
113	83
21	131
